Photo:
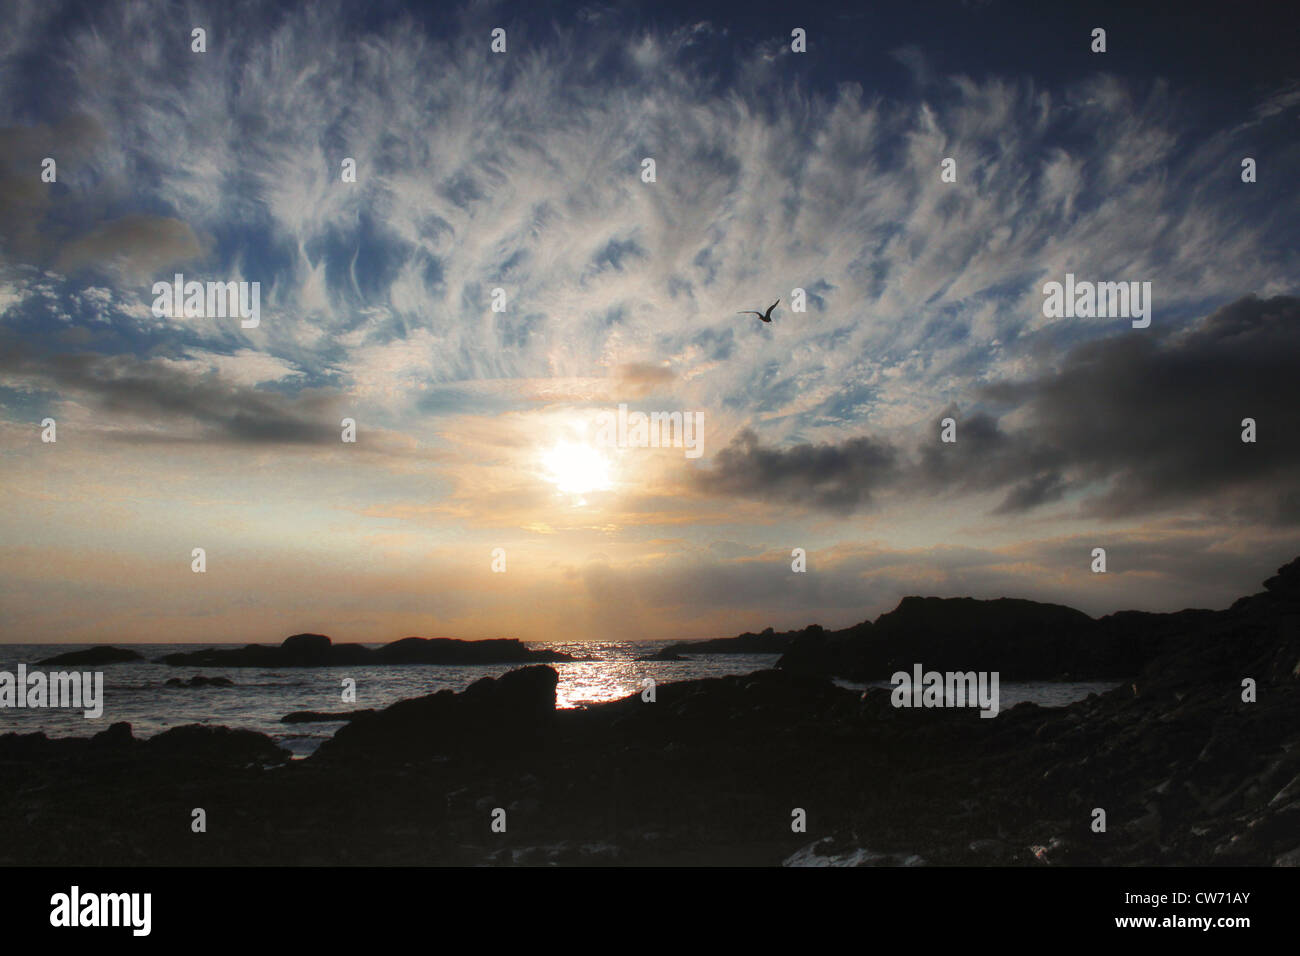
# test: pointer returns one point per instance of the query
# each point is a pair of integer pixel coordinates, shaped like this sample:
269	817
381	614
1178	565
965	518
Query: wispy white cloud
481	173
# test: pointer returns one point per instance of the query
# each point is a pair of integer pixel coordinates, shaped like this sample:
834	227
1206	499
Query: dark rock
827	653
664	655
505	713
117	735
1286	583
200	681
446	650
305	650
35	746
766	642
1019	639
1022	640
94	656
317	650
219	745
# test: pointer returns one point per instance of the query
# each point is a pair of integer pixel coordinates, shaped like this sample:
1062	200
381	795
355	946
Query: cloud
138	246
831	477
524	175
1136	423
30	209
522	172
1157	418
169	400
639	378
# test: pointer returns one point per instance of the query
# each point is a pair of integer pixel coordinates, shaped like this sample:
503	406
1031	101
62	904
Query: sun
576	469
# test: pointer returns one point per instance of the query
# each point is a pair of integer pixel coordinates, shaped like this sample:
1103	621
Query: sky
479	498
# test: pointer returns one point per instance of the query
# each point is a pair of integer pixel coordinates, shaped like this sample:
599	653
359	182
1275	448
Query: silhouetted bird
764	316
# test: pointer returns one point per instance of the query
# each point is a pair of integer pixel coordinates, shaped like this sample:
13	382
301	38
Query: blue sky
521	171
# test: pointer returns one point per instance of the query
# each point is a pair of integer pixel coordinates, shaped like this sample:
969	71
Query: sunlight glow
576	468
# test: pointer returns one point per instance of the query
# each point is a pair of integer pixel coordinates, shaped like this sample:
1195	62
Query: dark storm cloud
984	458
1158	417
1039	490
837	478
1141	421
175	397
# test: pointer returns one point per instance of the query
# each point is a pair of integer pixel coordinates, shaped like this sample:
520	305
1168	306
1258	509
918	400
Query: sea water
137	692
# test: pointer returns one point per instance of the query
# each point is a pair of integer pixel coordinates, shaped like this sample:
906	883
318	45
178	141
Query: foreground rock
94	656
1187	772
508	714
317	650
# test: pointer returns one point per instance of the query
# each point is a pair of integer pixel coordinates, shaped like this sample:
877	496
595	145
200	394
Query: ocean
137	692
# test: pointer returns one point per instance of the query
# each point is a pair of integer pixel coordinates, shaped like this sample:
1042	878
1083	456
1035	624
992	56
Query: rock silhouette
667	654
506	713
767	642
94	656
1023	640
200	681
317	650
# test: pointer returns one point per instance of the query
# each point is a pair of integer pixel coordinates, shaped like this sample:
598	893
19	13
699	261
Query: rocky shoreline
710	772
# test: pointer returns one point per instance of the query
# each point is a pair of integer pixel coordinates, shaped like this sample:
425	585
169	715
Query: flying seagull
764	316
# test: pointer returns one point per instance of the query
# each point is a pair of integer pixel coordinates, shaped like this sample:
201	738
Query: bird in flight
763	316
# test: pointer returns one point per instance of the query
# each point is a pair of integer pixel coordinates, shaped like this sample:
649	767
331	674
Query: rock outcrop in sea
767	641
200	681
317	650
94	656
